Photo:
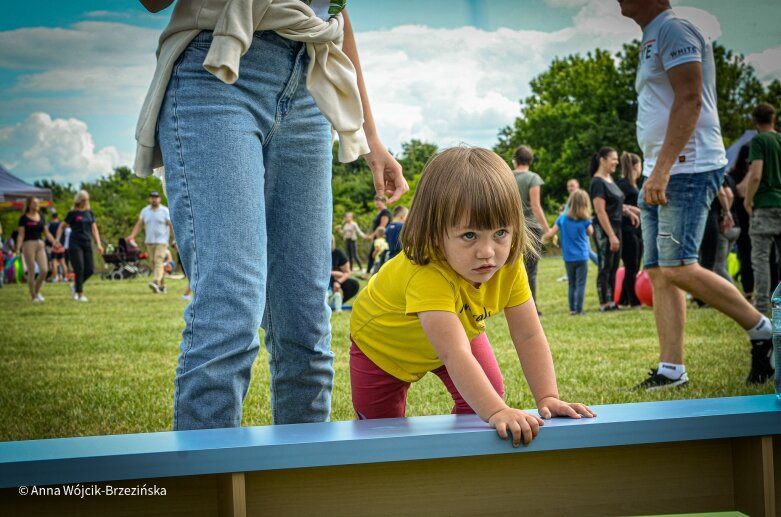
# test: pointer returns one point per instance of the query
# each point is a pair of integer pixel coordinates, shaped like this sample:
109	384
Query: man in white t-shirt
679	133
158	228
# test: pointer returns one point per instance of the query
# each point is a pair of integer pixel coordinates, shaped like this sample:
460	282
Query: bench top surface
137	456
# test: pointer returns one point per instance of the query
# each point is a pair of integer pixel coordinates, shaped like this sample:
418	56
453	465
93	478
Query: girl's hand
516	422
388	179
551	406
100	249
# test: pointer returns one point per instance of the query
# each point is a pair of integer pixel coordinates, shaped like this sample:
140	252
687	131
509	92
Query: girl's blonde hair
467	186
628	162
579	205
81	198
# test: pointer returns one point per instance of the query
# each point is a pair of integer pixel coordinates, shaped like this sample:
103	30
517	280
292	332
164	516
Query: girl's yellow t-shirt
384	322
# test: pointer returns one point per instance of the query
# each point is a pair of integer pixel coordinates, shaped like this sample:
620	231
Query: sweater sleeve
232	37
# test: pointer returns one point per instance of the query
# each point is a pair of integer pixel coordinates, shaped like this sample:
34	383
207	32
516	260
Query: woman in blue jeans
244	131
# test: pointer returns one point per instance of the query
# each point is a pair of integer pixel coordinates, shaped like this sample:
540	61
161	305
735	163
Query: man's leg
670	316
762	233
715	291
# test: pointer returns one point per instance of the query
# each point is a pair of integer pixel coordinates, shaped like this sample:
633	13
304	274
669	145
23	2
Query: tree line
581	103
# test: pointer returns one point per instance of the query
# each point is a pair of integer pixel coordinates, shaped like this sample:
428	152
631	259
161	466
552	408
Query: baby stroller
125	261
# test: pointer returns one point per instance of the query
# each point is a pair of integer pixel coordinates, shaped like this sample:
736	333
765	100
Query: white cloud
566	3
59	149
767	64
463	85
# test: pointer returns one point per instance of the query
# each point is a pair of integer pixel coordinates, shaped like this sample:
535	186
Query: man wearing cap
158	230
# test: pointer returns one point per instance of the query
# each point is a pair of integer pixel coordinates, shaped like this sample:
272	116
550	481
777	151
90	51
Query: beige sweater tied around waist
331	77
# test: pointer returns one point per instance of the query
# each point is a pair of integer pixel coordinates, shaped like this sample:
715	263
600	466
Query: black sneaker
656	381
162	289
761	367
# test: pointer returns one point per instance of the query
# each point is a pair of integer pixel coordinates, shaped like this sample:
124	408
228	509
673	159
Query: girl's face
638	167
477	254
33	205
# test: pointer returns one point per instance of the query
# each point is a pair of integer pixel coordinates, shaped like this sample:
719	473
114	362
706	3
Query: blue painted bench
705	455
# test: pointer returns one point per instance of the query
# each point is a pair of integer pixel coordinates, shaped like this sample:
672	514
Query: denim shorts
672	233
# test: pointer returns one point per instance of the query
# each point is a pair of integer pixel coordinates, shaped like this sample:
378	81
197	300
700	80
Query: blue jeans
577	273
248	175
672	233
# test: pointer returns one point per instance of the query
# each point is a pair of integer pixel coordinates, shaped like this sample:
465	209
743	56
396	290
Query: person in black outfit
57	254
631	235
342	286
608	201
381	220
83	227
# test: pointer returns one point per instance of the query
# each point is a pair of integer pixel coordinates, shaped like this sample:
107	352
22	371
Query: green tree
582	103
738	91
578	105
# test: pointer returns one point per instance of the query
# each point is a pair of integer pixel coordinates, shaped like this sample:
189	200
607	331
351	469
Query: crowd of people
466	249
62	251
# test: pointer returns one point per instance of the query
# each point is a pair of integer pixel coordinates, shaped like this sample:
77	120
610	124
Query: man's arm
752	180
136	229
539	214
686	82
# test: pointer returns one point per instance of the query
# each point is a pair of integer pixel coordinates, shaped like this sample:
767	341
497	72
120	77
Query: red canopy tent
14	192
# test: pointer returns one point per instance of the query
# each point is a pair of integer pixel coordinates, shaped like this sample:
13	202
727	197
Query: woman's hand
615	244
386	171
519	424
551	406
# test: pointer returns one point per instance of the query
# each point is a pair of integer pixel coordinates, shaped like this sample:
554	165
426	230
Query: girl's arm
590	230
604	222
550	233
60	230
48	233
388	179
633	213
19	239
96	236
447	336
537	363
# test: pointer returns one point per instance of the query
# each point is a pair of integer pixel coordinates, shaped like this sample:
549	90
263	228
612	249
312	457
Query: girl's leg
28	255
89	263
581	275
299	211
211	136
77	262
375	393
43	265
571	279
484	354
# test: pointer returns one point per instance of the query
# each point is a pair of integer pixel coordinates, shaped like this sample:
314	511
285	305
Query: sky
73	74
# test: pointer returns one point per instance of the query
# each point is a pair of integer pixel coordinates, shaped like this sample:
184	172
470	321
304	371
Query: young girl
84	228
32	226
576	228
425	310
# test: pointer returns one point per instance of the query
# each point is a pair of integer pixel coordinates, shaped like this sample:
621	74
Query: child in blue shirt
575	227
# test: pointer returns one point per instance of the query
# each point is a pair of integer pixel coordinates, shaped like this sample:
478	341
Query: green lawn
107	366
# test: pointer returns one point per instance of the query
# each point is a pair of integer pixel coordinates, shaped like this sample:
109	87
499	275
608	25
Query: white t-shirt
669	41
156	224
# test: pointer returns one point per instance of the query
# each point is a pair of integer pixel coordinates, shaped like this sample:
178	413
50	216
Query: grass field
107	366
